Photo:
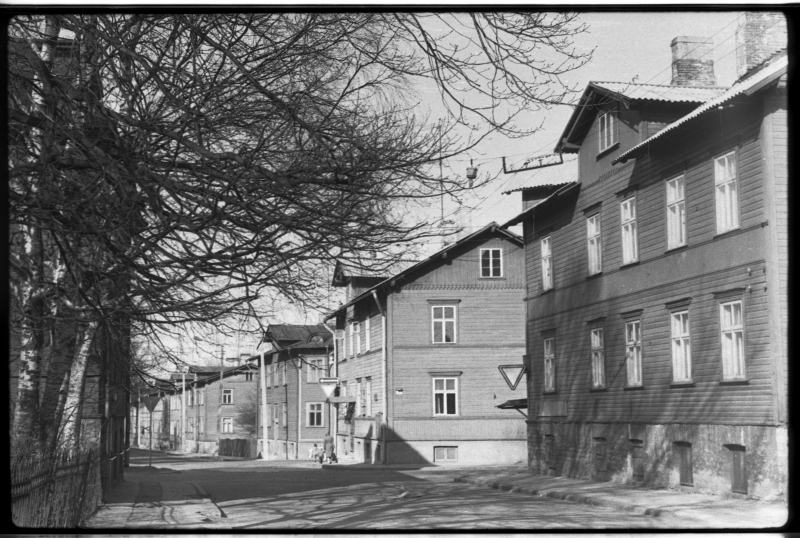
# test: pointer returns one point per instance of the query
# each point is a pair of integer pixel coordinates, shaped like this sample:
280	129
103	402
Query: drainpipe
383	374
264	451
334	422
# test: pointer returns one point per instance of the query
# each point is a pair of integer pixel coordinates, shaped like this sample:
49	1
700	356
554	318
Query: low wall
718	458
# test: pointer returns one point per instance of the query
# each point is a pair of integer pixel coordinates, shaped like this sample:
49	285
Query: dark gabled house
657	281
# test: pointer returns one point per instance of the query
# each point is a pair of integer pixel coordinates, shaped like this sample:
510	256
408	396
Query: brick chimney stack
759	35
692	61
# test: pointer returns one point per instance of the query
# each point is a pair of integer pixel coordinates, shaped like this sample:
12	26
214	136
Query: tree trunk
77	376
57	383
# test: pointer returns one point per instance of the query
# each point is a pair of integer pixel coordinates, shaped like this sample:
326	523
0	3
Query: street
275	495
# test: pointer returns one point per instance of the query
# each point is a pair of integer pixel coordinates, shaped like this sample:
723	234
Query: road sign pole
151	439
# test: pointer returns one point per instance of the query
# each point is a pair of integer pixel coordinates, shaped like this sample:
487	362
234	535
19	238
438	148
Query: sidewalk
677	509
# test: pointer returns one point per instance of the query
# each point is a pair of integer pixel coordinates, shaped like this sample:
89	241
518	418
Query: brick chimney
692	61
759	35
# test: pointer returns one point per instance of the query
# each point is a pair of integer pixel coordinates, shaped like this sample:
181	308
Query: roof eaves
560	192
747	87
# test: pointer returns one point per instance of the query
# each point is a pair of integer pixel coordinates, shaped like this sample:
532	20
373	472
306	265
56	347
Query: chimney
692	61
759	35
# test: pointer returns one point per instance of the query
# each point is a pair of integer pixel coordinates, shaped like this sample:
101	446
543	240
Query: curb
568	496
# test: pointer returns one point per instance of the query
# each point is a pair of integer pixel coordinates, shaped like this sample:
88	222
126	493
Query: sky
627	45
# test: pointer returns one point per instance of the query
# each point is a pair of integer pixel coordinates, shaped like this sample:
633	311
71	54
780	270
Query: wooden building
296	410
417	356
657	281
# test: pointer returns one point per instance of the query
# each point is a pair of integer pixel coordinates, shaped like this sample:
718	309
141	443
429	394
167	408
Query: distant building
657	280
417	353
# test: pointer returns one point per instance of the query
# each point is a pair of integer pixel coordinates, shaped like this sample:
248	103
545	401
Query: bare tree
173	169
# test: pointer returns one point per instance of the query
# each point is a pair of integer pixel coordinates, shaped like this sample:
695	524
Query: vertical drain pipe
383	375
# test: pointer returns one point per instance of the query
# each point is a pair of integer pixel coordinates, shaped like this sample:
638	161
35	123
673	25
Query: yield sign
150	402
512	373
328	385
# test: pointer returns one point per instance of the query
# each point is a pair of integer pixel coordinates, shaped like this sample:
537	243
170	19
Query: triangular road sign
512	373
150	402
328	385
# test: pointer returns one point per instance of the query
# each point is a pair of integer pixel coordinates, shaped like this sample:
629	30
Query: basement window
445	453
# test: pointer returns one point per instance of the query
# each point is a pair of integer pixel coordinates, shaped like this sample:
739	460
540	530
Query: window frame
367	342
229	422
447	450
597	246
443	321
606	127
546	262
312	370
629	230
680	215
635	344
310	411
686	339
283	373
491	267
368	396
230	394
444	392
598	356
551	359
728	208
742	360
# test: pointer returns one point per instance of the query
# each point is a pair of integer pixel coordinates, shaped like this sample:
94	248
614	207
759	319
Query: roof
553	176
747	86
559	193
368	268
491	227
294	333
625	92
520	403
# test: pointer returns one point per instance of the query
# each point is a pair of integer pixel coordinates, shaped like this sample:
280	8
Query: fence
242	448
56	491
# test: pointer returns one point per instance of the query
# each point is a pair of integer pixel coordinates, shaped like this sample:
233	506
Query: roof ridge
703	87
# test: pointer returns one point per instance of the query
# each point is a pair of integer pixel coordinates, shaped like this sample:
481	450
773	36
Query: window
630	240
359	399
227	424
201	394
681	347
284	417
444	324
314	366
275	414
676	213
593	239
202	425
270	378
732	335
190	396
608	130
600	458
357	336
726	192
491	262
549	365
249	376
368	396
227	396
283	373
598	359
314	415
445	453
445	396
637	459
547	264
367	346
633	352
352	344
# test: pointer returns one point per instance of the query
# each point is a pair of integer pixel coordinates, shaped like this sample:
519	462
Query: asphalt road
294	495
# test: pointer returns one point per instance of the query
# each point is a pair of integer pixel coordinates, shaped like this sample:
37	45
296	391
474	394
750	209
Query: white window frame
313	411
226	425
443	322
352	344
447	450
732	340
633	352
283	373
681	346
444	392
492	257
367	344
368	395
726	192
314	365
547	263
676	212
629	230
594	244
549	377
357	332
229	394
597	343
201	396
607	130
358	397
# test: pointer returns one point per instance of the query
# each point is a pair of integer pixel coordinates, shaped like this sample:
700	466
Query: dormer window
491	263
608	131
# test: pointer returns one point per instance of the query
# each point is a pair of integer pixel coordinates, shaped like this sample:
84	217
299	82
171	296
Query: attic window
607	130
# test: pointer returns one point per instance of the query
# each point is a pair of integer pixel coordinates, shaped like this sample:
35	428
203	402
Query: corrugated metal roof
351	270
748	86
295	332
661	92
544	177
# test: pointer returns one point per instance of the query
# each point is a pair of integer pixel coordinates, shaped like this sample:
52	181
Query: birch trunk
55	388
77	377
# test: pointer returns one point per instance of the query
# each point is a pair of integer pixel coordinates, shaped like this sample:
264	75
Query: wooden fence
242	448
54	492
